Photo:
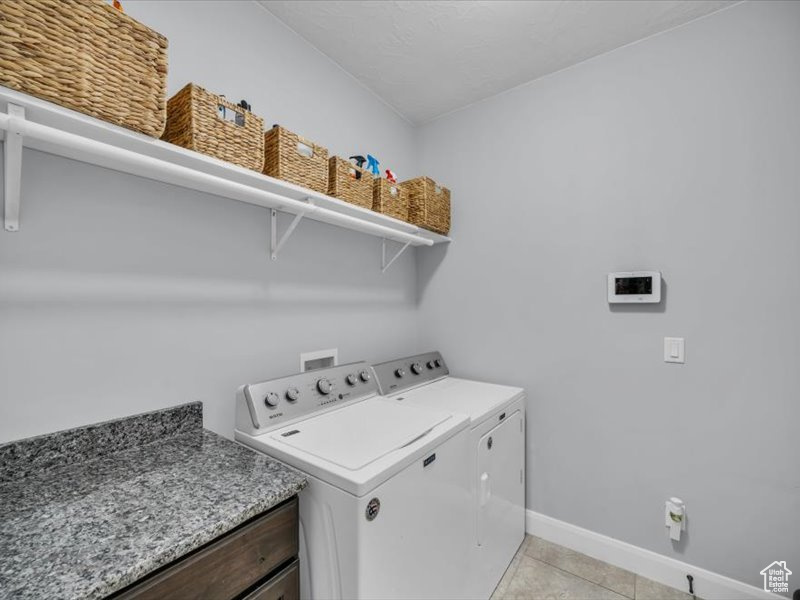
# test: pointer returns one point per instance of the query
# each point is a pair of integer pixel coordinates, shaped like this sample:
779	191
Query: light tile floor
547	571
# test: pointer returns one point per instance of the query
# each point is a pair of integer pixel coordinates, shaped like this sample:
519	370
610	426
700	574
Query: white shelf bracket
385	265
12	168
275	243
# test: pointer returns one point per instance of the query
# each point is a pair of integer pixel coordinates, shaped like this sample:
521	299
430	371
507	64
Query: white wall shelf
28	122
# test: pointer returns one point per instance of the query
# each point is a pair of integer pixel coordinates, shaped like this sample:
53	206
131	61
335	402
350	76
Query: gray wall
679	153
121	295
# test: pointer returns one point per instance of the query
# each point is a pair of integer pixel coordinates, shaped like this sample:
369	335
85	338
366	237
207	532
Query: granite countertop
86	512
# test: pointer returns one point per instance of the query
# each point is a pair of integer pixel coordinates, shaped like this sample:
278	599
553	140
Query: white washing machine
496	454
387	509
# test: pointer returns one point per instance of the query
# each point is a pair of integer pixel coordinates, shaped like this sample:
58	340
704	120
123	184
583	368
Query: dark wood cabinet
283	586
256	561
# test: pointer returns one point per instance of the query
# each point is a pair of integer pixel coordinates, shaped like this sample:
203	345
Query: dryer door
500	483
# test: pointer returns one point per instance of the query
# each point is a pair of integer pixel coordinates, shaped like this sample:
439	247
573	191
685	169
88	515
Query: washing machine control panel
277	401
397	375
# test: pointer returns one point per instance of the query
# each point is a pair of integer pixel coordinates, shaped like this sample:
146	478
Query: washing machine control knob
351	379
438	363
271	400
292	394
364	375
400	372
324	386
430	364
416	368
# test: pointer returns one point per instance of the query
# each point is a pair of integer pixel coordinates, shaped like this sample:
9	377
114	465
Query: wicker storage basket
195	120
345	184
390	199
428	204
87	56
289	157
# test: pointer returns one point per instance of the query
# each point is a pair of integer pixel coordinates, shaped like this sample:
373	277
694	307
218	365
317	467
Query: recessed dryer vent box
319	359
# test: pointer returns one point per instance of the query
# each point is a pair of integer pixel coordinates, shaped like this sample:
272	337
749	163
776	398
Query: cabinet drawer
284	586
229	565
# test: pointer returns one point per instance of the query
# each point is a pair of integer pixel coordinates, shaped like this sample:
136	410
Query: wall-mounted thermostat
638	287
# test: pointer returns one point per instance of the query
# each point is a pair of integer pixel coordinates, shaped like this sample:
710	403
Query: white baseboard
671	572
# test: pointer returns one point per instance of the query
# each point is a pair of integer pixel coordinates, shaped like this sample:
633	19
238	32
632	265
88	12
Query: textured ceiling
427	58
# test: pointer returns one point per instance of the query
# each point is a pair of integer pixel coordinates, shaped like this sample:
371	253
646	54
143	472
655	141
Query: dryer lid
477	399
354	436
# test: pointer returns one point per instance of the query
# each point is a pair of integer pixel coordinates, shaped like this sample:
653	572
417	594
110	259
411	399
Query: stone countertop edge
95	509
188	545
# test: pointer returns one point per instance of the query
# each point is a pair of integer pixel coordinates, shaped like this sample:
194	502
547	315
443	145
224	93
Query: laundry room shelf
28	122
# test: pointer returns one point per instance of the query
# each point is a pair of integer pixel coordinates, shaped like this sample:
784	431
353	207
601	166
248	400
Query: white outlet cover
674	350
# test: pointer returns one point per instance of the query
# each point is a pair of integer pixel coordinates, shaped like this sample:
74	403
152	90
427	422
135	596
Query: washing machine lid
357	435
477	399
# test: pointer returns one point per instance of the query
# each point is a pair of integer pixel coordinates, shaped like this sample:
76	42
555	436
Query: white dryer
496	454
387	508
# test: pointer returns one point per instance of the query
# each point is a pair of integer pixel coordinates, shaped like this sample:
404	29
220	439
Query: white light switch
674	350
